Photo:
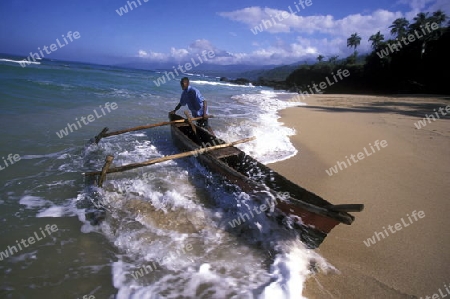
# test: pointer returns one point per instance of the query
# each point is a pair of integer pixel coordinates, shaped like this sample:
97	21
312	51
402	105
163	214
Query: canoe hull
309	211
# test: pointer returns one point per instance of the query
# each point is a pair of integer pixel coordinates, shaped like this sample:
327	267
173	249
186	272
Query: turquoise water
166	232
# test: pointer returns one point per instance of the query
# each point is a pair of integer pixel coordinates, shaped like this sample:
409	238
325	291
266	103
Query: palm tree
376	39
439	17
320	58
333	59
353	41
399	27
419	20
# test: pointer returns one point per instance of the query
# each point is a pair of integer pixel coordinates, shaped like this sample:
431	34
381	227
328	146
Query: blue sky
175	31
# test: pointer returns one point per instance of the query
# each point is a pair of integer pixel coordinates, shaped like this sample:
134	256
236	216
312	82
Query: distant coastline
297	77
275	84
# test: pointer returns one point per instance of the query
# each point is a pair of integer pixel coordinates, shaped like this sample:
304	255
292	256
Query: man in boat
192	97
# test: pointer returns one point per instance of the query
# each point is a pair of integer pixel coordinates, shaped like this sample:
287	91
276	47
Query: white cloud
280	52
333	32
443	5
178	54
174	54
325	24
309	36
183	54
201	44
152	55
249	15
142	53
418	5
327	47
425	6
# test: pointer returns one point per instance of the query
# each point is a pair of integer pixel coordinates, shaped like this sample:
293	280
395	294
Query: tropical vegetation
414	60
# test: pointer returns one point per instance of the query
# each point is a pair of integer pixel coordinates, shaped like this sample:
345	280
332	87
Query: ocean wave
32	202
276	92
201	82
57	155
273	143
21	62
158	210
47	208
162	225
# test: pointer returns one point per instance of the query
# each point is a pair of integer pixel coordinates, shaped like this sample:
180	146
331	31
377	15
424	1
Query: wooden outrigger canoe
313	215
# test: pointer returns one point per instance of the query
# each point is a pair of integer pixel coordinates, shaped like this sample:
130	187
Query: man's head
184	83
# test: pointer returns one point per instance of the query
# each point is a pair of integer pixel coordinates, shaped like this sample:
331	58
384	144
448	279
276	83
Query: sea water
166	229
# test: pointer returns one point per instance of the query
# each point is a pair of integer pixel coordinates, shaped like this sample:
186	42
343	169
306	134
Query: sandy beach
404	186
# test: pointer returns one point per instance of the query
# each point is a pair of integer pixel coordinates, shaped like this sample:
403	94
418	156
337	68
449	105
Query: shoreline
410	174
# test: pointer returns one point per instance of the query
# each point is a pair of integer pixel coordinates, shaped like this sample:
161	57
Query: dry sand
410	174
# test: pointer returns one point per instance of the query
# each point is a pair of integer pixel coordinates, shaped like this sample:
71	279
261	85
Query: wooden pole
105	169
347	207
189	120
167	158
103	133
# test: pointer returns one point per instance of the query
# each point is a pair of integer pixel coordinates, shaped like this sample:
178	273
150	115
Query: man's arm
176	108
205	108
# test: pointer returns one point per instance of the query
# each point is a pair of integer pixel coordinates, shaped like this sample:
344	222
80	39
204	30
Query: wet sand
410	174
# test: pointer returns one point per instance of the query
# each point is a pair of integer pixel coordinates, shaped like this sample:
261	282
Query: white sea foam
272	143
32	202
21	62
221	265
156	211
47	208
218	83
54	211
290	269
25	256
57	155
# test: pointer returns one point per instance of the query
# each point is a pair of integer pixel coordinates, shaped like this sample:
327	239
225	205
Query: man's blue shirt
192	97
